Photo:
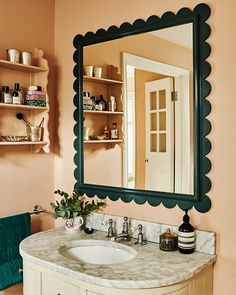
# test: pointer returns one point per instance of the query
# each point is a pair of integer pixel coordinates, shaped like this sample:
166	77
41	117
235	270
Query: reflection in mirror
155	112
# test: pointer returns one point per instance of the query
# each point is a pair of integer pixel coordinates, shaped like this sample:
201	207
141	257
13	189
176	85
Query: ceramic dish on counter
14	138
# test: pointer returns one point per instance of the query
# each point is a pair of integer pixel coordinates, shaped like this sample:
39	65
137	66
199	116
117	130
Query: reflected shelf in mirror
104	141
102	112
102	80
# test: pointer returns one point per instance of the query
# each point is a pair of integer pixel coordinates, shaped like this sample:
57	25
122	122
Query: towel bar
37	210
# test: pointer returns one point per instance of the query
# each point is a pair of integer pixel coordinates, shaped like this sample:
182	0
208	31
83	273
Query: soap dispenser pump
186	236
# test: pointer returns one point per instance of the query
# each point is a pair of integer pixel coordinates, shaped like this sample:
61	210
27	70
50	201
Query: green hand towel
13	230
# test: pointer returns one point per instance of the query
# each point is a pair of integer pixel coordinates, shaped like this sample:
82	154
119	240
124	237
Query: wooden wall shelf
20	67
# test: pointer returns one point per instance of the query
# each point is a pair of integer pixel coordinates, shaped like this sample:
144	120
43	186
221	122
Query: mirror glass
153	111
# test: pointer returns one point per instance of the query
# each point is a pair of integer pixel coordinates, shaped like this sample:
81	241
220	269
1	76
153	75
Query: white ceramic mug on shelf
26	58
97	72
13	55
88	71
86	133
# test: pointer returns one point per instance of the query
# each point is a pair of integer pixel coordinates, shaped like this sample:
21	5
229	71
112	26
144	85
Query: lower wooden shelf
104	141
23	142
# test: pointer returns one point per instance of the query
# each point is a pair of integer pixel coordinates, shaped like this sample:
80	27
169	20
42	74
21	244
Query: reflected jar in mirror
101	104
112	104
114	131
26	58
106	132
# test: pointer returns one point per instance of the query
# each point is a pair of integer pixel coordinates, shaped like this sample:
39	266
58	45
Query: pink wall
27	179
82	16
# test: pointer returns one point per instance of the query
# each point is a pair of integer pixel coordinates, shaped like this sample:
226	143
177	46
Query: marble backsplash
205	241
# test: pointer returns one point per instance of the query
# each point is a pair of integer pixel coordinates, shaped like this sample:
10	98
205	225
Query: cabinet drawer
53	286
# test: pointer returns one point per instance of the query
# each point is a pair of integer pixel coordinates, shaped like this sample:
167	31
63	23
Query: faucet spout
125	236
122	236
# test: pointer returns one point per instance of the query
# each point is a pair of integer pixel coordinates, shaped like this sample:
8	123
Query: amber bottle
186	236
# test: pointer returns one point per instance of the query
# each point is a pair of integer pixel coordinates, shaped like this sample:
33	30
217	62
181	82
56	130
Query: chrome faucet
124	235
140	239
110	231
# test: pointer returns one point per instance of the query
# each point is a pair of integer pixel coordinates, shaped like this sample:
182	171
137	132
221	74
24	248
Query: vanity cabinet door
31	281
53	286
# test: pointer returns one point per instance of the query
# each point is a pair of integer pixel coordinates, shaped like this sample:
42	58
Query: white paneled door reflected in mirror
156	126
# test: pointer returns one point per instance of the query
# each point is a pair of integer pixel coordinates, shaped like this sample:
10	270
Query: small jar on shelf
112	104
17	95
114	131
101	104
6	95
106	132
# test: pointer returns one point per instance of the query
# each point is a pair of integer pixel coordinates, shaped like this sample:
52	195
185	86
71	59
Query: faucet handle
133	229
140	239
125	226
110	231
103	223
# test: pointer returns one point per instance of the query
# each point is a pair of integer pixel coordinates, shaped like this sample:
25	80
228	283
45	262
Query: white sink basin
98	252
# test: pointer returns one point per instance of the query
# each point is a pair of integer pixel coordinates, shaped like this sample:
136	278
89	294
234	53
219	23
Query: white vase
74	224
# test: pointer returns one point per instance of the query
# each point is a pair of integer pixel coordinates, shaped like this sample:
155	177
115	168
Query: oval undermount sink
98	252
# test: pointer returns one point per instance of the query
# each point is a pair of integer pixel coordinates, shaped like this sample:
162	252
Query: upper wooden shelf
103	112
21	107
23	143
102	80
20	67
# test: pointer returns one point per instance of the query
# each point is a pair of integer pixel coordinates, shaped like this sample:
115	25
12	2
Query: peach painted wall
27	179
80	16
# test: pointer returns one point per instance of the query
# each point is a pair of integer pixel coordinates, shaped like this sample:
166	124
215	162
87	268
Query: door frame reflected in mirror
202	127
182	163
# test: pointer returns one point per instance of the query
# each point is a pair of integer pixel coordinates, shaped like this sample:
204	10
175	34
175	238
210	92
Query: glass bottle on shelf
106	132
112	104
17	88
101	104
114	131
17	96
6	95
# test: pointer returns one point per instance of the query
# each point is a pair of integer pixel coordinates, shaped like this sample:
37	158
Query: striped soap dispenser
186	236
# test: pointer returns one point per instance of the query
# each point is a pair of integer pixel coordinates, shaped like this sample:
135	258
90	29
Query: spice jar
168	241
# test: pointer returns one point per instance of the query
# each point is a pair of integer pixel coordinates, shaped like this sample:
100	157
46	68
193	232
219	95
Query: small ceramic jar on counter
168	241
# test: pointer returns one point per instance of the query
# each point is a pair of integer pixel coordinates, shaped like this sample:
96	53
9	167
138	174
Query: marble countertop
150	268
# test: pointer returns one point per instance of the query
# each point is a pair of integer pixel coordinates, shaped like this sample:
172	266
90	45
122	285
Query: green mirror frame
202	107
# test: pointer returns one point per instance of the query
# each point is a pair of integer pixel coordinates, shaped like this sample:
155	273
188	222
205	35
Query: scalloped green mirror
155	71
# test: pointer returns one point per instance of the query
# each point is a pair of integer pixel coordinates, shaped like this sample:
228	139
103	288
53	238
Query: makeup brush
41	123
20	116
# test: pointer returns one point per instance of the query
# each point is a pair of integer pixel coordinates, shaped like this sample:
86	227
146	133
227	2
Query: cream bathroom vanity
47	271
